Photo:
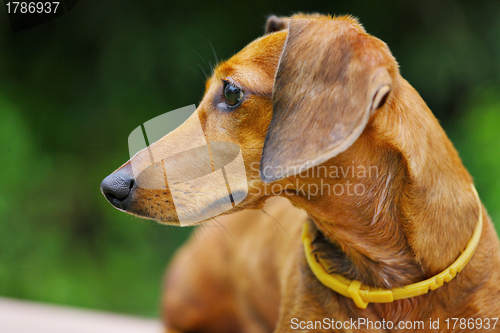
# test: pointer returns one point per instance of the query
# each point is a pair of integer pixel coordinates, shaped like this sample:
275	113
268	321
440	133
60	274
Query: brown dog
323	118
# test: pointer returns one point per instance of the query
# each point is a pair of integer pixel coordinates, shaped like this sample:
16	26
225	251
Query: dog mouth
202	183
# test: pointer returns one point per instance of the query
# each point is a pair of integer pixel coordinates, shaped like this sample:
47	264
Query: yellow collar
363	295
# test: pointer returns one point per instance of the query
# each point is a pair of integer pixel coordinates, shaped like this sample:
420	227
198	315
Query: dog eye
232	94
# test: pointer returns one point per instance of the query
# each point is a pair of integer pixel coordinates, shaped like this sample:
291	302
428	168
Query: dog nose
117	187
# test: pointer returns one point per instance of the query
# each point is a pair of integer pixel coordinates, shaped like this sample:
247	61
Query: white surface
18	316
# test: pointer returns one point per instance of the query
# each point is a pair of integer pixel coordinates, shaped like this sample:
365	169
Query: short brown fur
412	222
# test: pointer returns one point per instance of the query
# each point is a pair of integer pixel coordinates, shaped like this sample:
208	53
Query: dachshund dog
343	151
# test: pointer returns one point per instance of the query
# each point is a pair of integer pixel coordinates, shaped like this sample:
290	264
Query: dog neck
381	208
360	233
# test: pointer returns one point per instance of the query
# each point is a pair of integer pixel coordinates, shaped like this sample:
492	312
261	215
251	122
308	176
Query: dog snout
118	186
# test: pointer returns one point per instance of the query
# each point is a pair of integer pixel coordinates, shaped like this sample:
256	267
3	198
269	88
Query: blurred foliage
475	134
73	89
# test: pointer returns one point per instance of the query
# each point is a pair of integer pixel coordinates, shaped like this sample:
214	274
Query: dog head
289	101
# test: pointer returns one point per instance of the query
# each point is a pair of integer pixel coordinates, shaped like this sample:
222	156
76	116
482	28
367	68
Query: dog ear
331	77
275	23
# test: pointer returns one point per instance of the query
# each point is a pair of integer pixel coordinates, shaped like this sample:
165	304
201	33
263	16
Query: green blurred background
73	89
